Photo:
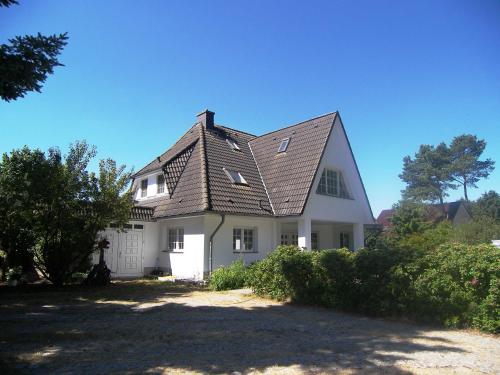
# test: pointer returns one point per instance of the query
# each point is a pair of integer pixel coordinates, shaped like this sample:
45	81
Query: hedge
456	285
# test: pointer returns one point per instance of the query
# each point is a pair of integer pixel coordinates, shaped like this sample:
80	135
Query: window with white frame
176	239
235	177
344	240
144	188
244	239
160	184
332	183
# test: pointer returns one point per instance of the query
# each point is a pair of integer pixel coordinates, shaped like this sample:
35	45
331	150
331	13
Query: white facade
326	222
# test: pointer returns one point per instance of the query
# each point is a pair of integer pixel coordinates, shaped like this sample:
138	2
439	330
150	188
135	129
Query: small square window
244	240
233	144
144	188
235	177
176	239
160	184
284	145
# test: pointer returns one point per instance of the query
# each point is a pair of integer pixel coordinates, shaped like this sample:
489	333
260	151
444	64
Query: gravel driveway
150	327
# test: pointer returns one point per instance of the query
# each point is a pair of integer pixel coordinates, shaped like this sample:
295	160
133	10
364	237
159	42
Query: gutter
211	242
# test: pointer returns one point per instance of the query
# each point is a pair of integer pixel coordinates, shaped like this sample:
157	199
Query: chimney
206	118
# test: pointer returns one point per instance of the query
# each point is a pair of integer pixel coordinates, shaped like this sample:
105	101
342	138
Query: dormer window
332	183
235	177
283	145
144	188
233	144
160	184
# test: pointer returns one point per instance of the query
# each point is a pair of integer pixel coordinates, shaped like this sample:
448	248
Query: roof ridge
236	130
298	123
138	173
318	163
260	176
207	203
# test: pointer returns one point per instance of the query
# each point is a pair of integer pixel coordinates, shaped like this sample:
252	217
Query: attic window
284	145
332	183
235	177
233	144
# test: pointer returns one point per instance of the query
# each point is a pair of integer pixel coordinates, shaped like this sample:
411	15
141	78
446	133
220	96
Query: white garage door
124	254
130	254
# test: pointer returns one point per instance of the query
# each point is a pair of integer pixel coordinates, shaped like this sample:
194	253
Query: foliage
459	286
23	178
436	169
267	277
8	3
453	284
428	239
14	274
27	60
480	230
233	276
335	274
51	208
487	205
466	168
409	217
427	175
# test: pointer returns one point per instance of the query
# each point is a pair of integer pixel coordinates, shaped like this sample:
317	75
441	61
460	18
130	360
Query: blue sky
401	74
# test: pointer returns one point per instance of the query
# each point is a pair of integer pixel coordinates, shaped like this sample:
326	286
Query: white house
220	194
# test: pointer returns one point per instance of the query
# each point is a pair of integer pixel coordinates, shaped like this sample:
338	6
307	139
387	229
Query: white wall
338	156
150	251
223	253
188	263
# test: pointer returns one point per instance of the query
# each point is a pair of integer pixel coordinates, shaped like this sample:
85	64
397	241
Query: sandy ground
151	327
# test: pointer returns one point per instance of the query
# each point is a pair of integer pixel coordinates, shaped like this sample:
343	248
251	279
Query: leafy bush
460	286
335	275
457	285
267	277
481	230
231	277
14	274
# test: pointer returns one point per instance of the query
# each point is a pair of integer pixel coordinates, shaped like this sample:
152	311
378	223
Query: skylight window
284	145
235	177
233	144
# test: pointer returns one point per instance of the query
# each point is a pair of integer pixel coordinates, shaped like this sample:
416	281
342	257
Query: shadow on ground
134	327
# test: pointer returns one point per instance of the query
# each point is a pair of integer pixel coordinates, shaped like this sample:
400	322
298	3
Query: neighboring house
220	194
456	212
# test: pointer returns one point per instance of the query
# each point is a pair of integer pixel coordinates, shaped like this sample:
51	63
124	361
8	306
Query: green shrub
267	277
229	277
460	286
481	230
456	285
335	275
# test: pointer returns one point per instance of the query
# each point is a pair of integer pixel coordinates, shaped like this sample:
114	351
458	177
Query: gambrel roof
277	183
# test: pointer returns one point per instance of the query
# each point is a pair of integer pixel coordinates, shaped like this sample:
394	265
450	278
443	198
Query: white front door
130	253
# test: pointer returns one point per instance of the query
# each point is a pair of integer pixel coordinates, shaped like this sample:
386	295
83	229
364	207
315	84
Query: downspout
211	242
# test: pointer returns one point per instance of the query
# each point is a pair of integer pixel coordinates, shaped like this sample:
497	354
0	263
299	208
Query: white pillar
276	238
358	236
304	232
